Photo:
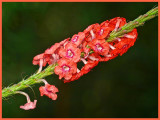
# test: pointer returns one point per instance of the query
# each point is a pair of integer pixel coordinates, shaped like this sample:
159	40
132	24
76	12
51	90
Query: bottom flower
29	105
48	90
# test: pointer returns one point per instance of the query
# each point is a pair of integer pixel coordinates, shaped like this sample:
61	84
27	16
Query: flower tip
54	97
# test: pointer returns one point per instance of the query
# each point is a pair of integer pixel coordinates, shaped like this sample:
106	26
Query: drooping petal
28	106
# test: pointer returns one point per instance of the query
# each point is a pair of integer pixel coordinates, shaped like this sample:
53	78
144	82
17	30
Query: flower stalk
34	79
133	24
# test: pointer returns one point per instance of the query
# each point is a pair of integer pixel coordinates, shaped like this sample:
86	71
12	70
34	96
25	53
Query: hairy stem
34	79
133	24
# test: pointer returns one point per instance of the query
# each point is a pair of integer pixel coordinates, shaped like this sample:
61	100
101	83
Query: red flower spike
77	39
65	68
99	46
49	91
70	52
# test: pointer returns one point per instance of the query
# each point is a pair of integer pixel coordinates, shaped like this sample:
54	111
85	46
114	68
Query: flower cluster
89	47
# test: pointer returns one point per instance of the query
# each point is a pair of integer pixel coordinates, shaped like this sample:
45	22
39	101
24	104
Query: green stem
33	79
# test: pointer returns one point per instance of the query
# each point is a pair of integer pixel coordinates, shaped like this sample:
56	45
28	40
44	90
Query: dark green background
126	86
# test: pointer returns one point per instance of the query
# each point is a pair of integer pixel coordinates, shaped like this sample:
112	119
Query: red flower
89	28
97	57
54	47
104	59
51	58
126	42
51	55
29	105
65	68
90	32
70	52
85	69
85	48
38	58
77	39
47	56
49	91
102	30
100	46
116	23
94	57
74	77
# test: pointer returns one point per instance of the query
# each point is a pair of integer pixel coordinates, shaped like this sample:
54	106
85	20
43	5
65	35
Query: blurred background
126	86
